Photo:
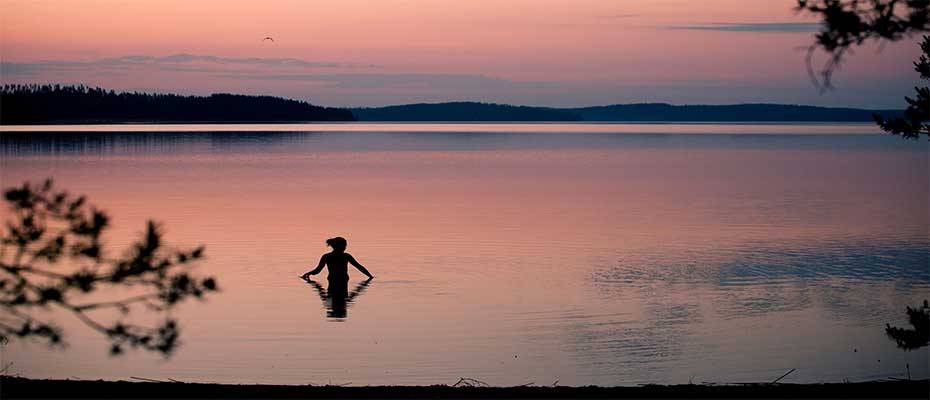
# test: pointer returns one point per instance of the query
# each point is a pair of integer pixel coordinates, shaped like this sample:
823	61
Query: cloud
361	85
184	58
765	27
327	82
174	62
381	81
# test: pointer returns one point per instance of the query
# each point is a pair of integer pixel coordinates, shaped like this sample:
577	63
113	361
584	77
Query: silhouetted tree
52	256
919	336
916	119
853	22
23	104
847	23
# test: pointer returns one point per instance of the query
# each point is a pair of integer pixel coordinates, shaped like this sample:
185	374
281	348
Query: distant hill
50	104
463	111
57	104
645	112
729	113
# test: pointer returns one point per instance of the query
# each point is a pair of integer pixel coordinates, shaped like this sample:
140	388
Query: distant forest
463	111
60	104
644	112
38	104
729	113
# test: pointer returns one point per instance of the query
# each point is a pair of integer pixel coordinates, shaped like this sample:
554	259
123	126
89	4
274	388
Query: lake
601	254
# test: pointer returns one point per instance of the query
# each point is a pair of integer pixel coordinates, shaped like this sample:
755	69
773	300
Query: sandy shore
15	387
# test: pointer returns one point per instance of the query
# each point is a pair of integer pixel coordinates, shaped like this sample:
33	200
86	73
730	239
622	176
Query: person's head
337	243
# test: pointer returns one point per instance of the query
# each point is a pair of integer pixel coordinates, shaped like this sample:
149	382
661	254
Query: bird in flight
268	38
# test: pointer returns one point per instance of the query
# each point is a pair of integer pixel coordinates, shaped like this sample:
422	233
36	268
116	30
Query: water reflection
59	143
131	143
596	256
337	298
790	271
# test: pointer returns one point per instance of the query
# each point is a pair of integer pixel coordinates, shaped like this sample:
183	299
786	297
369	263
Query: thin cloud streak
193	58
761	27
173	62
343	84
381	81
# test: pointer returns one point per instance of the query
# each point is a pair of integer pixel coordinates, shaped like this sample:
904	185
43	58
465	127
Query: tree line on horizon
32	103
635	112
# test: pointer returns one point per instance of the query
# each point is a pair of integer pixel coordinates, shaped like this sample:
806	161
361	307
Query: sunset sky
351	53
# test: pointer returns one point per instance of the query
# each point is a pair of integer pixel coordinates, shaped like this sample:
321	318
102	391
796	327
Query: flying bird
268	38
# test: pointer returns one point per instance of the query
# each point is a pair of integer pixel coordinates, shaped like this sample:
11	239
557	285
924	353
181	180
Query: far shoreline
70	104
799	128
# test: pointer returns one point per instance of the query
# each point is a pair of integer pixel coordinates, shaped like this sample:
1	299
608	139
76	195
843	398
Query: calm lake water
581	253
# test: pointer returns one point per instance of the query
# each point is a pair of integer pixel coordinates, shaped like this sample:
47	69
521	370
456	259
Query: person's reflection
337	298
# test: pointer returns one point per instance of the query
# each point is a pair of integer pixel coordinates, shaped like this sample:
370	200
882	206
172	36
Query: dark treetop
30	104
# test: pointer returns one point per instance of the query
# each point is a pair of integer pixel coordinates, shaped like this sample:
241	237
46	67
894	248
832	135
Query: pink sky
559	53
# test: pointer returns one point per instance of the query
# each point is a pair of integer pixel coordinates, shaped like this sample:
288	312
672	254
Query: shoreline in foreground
17	387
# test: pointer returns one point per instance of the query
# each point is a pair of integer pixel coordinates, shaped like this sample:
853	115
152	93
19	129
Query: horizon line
5	86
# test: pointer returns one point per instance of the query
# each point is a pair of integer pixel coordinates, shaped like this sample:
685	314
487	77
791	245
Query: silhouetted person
337	262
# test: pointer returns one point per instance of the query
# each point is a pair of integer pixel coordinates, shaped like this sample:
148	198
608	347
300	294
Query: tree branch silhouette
916	118
848	23
919	335
52	257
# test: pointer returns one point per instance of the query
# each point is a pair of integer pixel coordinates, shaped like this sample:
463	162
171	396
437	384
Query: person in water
337	261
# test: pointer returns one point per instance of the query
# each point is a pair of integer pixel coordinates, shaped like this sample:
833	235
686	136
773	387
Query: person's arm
319	267
359	266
